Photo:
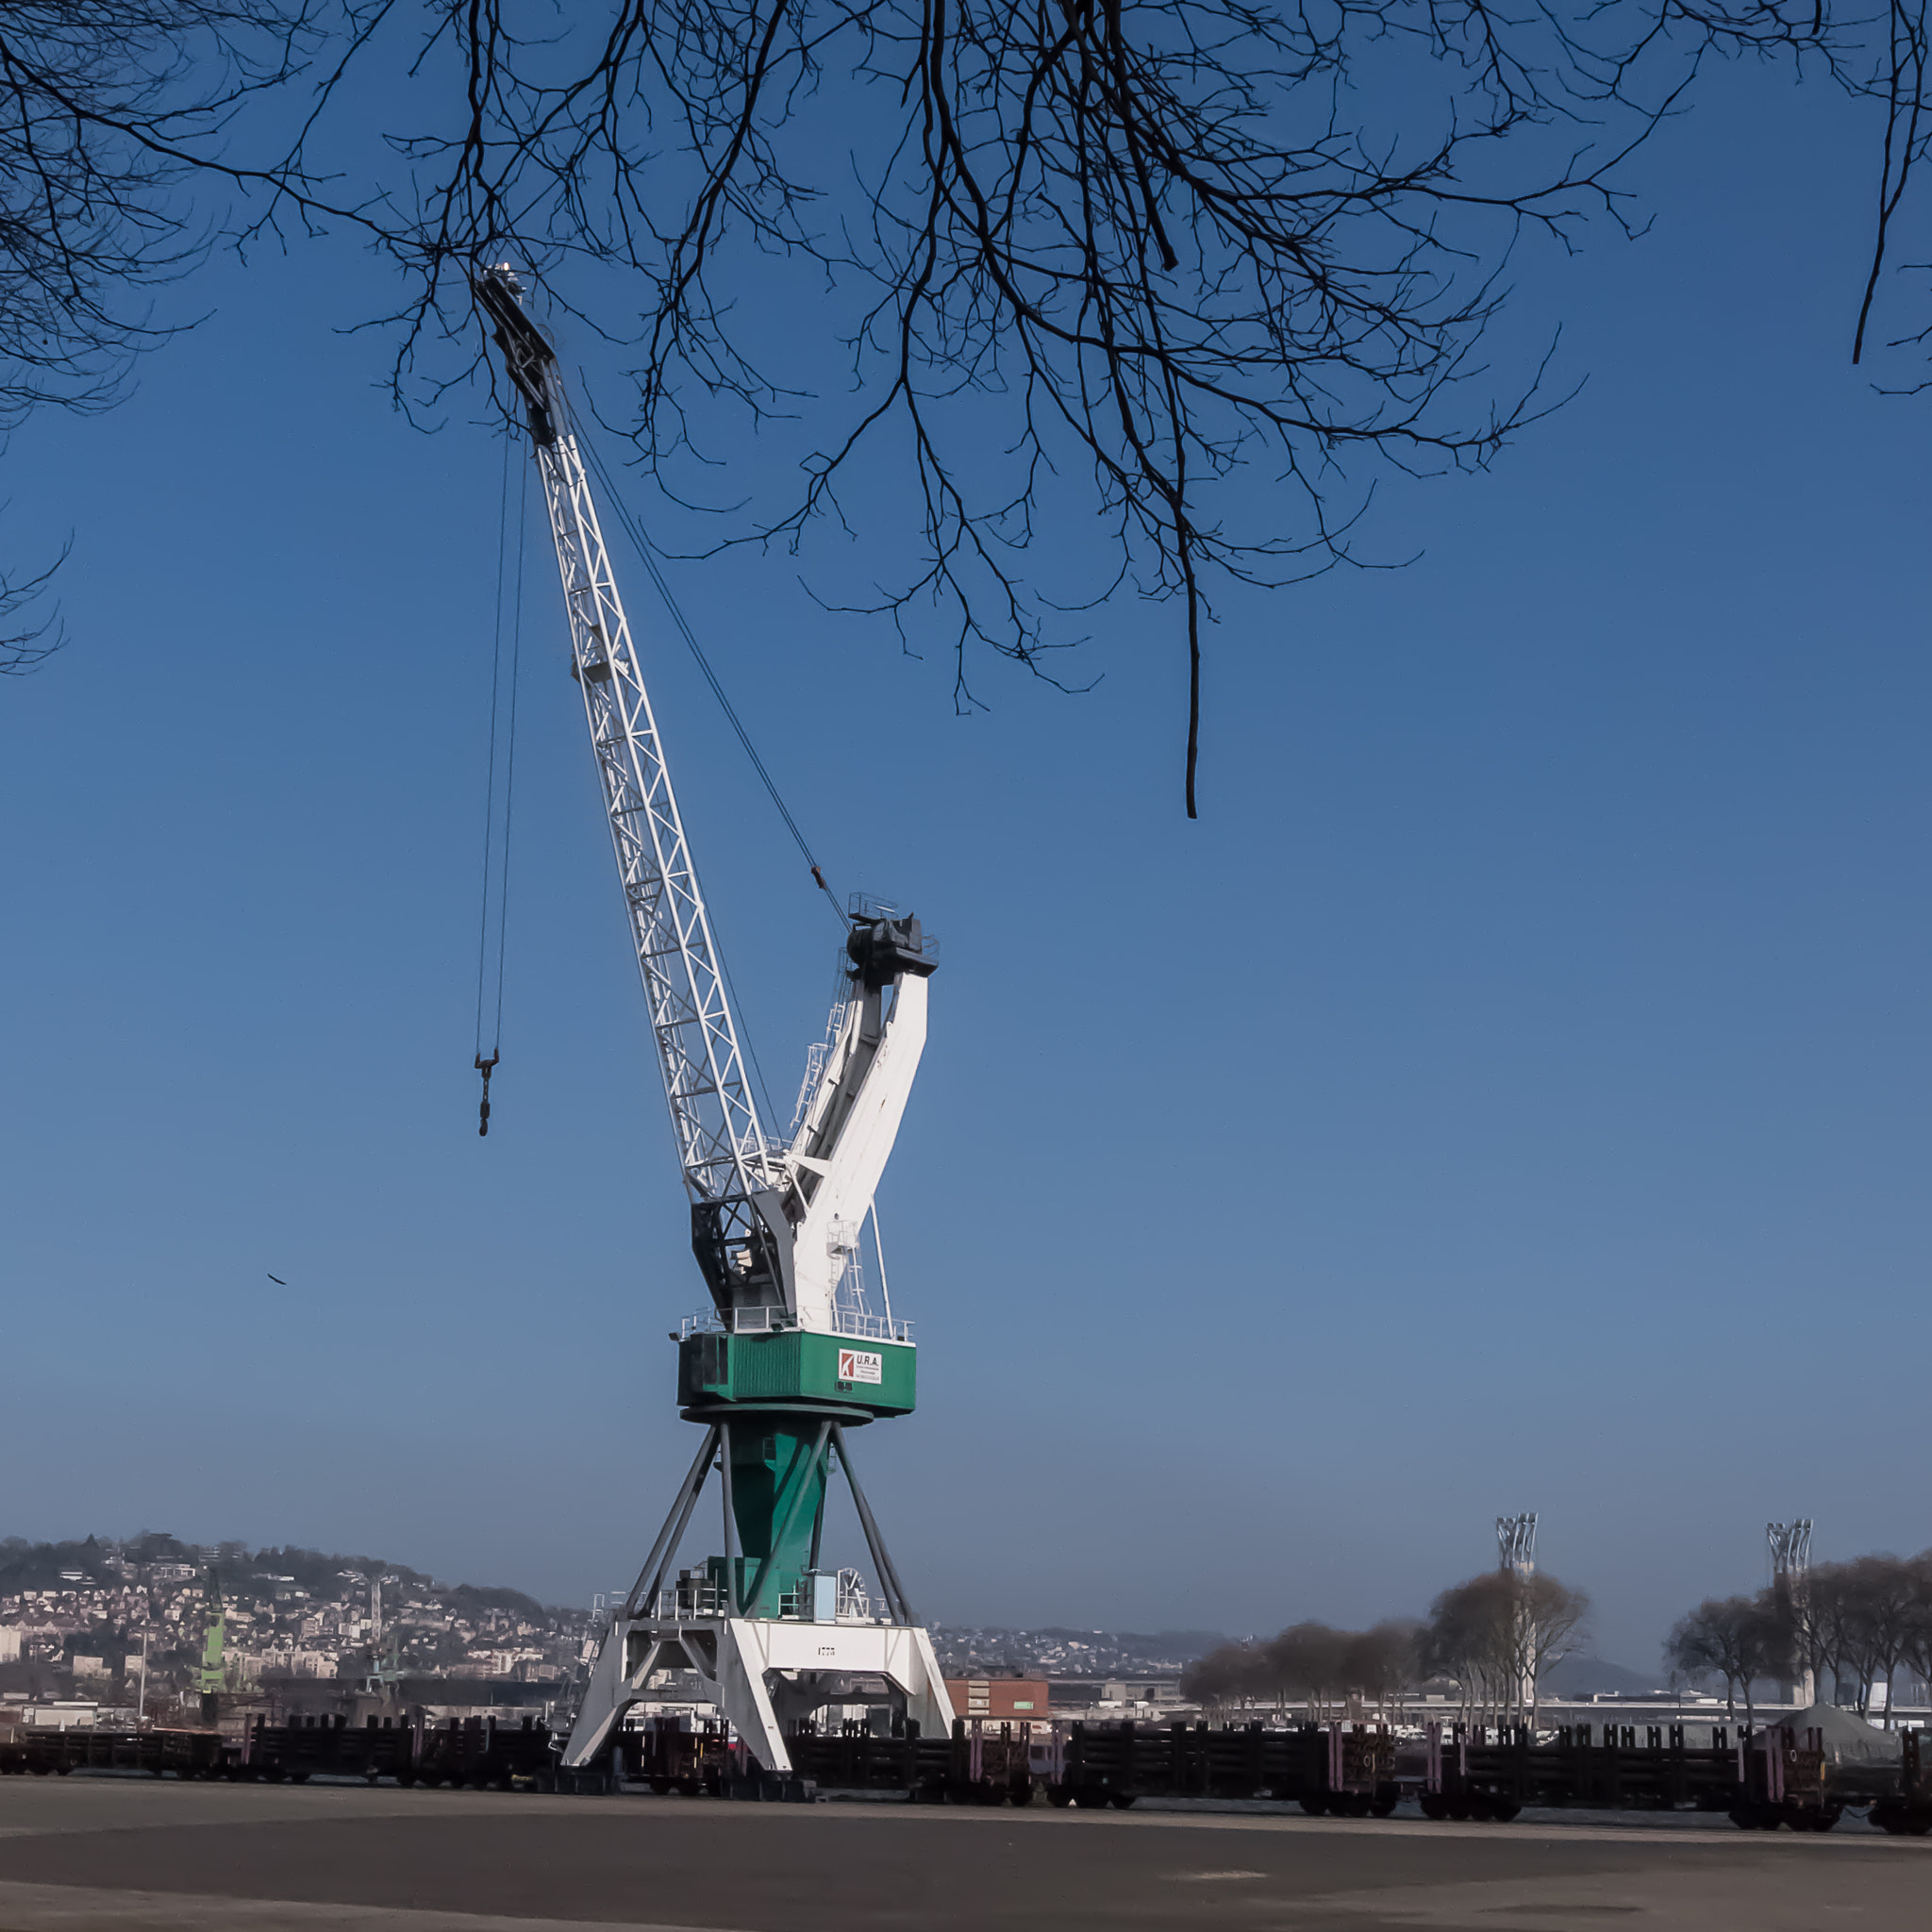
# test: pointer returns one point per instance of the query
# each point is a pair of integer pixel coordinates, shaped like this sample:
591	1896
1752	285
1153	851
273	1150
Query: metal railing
850	1321
704	1600
816	1055
766	1321
867	1327
686	1601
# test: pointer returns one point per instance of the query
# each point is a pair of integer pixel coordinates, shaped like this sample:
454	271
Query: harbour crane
791	1354
211	1676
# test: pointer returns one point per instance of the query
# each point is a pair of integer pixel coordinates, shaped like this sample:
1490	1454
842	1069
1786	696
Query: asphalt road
85	1855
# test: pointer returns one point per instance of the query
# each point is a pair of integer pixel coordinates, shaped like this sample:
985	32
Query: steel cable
647	557
503	724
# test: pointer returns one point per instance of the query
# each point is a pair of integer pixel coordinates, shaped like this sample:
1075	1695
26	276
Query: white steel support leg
606	1697
739	1692
733	1657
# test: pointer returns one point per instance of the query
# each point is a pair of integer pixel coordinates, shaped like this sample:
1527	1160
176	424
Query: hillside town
1052	1651
127	1624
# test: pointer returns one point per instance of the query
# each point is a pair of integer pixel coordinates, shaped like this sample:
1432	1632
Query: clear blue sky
1512	1084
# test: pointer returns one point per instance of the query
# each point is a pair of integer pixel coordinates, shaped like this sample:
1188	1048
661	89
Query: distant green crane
211	1678
384	1649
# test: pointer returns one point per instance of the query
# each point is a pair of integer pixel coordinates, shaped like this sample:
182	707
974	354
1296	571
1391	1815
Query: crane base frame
736	1660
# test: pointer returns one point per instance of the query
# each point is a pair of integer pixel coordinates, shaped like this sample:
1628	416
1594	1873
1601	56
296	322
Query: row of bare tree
1863	1622
1311	1663
1492	1637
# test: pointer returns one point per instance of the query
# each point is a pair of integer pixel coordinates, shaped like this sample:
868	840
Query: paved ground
97	1854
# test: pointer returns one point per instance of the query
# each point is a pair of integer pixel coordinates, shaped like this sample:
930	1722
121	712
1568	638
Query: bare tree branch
1136	299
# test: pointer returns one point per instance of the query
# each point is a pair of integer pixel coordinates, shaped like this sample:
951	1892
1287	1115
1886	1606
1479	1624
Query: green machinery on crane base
778	1399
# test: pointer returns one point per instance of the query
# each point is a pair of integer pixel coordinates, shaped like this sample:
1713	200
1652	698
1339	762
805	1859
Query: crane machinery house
791	1356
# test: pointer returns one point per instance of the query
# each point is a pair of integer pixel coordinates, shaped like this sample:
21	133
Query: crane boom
735	1186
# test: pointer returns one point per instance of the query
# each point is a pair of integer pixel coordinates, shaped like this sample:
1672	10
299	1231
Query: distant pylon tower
1789	1548
1516	1556
1516	1544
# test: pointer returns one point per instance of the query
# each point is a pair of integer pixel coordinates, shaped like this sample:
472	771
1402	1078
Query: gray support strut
730	1525
664	1551
889	1577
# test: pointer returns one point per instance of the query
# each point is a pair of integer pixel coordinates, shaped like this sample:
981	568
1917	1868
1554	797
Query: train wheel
1121	1801
1434	1805
1504	1810
1059	1796
1315	1803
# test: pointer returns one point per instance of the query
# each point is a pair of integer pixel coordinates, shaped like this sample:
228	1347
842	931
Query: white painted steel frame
721	1141
739	1661
847	1179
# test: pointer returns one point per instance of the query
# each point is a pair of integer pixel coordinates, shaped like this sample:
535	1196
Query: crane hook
484	1068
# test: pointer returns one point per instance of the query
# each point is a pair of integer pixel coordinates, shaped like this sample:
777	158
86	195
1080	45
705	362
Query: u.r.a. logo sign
860	1365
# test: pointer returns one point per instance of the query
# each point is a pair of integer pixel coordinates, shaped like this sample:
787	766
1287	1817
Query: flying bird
278	1281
